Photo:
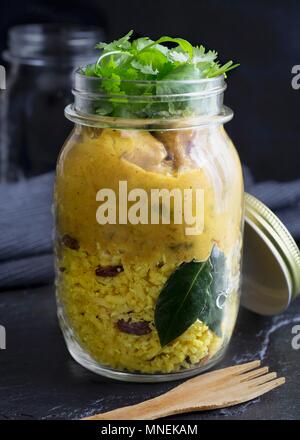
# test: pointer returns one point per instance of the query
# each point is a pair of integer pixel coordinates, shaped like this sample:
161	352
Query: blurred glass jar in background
2	100
41	59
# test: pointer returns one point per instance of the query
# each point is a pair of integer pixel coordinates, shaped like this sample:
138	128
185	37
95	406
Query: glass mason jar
41	60
148	292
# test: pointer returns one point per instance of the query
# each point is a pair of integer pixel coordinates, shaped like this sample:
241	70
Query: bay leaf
183	299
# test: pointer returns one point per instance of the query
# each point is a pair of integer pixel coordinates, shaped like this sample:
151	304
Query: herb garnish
143	59
183	298
190	294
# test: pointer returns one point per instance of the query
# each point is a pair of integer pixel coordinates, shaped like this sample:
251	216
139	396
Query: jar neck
148	105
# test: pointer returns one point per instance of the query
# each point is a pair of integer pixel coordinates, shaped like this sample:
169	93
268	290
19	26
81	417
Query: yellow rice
94	304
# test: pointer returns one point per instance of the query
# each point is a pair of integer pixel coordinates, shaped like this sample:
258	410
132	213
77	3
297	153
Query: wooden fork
217	389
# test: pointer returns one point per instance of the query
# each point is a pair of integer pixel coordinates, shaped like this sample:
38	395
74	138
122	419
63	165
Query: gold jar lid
271	262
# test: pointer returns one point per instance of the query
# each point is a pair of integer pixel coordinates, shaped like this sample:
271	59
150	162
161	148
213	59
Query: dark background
264	36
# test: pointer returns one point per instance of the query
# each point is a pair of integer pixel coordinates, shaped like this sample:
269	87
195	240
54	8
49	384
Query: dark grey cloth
26	224
26	232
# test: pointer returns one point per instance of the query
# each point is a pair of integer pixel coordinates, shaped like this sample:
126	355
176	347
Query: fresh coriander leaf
199	55
144	68
163	49
89	70
178	56
122	43
139	44
151	57
144	59
112	85
184	44
183	71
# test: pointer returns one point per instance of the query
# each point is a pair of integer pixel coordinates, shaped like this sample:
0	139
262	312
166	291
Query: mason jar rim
203	96
84	86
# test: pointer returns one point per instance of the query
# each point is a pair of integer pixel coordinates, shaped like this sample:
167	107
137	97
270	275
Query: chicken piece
145	151
178	144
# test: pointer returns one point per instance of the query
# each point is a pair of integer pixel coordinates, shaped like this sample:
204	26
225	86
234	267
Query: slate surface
39	380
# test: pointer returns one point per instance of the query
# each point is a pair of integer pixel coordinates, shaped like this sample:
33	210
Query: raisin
70	242
134	328
204	360
108	271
